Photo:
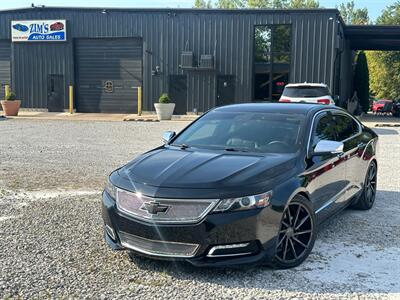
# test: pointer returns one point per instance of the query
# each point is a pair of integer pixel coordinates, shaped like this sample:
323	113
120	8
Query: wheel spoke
282	239
293	249
284	223
372	173
285	251
302	232
302	222
297	215
299	242
289	216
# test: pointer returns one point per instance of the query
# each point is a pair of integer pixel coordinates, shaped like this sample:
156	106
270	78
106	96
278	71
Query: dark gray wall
166	33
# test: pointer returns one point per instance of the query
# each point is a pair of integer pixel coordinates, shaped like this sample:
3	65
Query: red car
378	105
57	26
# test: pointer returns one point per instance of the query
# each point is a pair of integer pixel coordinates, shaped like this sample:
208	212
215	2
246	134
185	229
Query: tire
297	234
368	194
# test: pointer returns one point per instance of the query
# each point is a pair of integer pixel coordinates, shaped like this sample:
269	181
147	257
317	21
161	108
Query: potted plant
11	105
164	107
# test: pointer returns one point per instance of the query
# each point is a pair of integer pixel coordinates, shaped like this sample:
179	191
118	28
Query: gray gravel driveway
51	245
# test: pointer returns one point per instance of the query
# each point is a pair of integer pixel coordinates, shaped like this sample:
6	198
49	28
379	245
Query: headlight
244	203
110	189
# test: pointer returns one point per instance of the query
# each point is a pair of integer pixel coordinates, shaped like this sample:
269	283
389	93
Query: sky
374	6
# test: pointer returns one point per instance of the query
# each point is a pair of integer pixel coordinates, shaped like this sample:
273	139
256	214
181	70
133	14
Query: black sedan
243	184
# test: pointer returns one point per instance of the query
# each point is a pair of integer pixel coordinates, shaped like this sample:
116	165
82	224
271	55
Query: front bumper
248	237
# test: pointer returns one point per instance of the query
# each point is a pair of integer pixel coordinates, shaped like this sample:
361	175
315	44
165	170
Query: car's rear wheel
296	235
367	197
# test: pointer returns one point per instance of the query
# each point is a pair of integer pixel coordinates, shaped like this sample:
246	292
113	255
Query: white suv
307	93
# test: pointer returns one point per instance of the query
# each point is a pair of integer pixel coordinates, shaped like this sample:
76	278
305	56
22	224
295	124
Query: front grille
157	210
157	248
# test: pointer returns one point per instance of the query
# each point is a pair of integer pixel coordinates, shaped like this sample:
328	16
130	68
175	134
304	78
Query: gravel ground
51	175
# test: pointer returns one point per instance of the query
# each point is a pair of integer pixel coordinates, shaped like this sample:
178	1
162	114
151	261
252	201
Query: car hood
203	169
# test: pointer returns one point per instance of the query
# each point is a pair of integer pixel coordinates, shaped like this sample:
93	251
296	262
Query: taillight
285	100
324	101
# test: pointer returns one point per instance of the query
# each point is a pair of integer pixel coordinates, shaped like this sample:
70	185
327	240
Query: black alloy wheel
368	195
297	233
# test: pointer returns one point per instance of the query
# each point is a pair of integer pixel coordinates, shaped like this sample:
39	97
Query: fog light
110	232
233	250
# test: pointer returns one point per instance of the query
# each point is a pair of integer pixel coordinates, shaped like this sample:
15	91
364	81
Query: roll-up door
108	72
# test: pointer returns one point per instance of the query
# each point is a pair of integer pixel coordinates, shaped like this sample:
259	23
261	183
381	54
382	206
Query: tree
352	15
202	4
230	4
267	3
361	80
304	4
385	65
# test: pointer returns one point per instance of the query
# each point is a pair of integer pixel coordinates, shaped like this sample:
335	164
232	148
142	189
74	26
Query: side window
325	129
346	127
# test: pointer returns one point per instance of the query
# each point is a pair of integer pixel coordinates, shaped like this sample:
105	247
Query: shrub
361	80
164	98
11	96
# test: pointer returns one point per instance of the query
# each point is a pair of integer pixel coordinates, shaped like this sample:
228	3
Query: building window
271	61
263	40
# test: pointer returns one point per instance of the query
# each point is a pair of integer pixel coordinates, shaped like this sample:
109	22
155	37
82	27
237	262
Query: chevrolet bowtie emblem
154	208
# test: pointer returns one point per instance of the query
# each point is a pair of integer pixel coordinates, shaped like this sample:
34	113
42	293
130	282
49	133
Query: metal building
202	58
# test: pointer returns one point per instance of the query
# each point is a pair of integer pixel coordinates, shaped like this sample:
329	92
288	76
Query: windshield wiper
182	146
236	150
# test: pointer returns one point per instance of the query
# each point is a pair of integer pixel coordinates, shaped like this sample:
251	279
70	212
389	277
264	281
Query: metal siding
5	66
165	34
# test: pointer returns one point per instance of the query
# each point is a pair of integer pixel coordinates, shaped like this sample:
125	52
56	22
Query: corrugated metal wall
5	65
166	33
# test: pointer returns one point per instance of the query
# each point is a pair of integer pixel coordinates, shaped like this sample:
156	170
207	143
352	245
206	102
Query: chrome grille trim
130	241
156	219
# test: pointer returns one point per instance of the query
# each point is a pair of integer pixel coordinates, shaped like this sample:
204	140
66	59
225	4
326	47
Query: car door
349	133
325	174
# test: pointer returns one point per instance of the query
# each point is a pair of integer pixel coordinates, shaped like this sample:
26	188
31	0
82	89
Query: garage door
108	72
5	70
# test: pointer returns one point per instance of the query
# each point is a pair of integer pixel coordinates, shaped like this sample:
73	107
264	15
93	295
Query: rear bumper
252	234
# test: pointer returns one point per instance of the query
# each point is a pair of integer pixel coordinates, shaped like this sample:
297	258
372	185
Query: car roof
299	108
306	84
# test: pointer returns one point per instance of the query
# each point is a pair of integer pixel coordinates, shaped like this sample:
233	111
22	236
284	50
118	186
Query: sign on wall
38	31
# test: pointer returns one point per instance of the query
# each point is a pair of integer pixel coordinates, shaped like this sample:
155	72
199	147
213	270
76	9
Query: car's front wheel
296	235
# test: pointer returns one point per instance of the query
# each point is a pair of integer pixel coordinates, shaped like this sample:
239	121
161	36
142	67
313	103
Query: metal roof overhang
373	37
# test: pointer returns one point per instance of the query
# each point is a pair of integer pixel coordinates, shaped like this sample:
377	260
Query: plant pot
164	110
10	107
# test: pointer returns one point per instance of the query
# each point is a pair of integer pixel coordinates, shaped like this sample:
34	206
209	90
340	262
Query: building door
178	93
5	58
55	93
108	73
225	90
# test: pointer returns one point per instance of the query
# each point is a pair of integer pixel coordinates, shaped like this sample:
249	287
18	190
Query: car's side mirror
336	99
326	147
168	136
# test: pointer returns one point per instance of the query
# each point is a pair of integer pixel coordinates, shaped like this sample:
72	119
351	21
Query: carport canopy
373	37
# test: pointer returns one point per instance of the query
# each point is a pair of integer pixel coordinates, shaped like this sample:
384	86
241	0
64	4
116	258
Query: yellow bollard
71	99
139	95
6	91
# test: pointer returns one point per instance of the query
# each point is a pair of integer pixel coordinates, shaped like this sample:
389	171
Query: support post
139	92
71	99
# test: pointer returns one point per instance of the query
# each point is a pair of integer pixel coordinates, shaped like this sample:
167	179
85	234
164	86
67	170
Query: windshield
305	92
244	131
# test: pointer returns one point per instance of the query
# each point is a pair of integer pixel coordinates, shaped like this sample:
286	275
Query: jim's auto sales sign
38	31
